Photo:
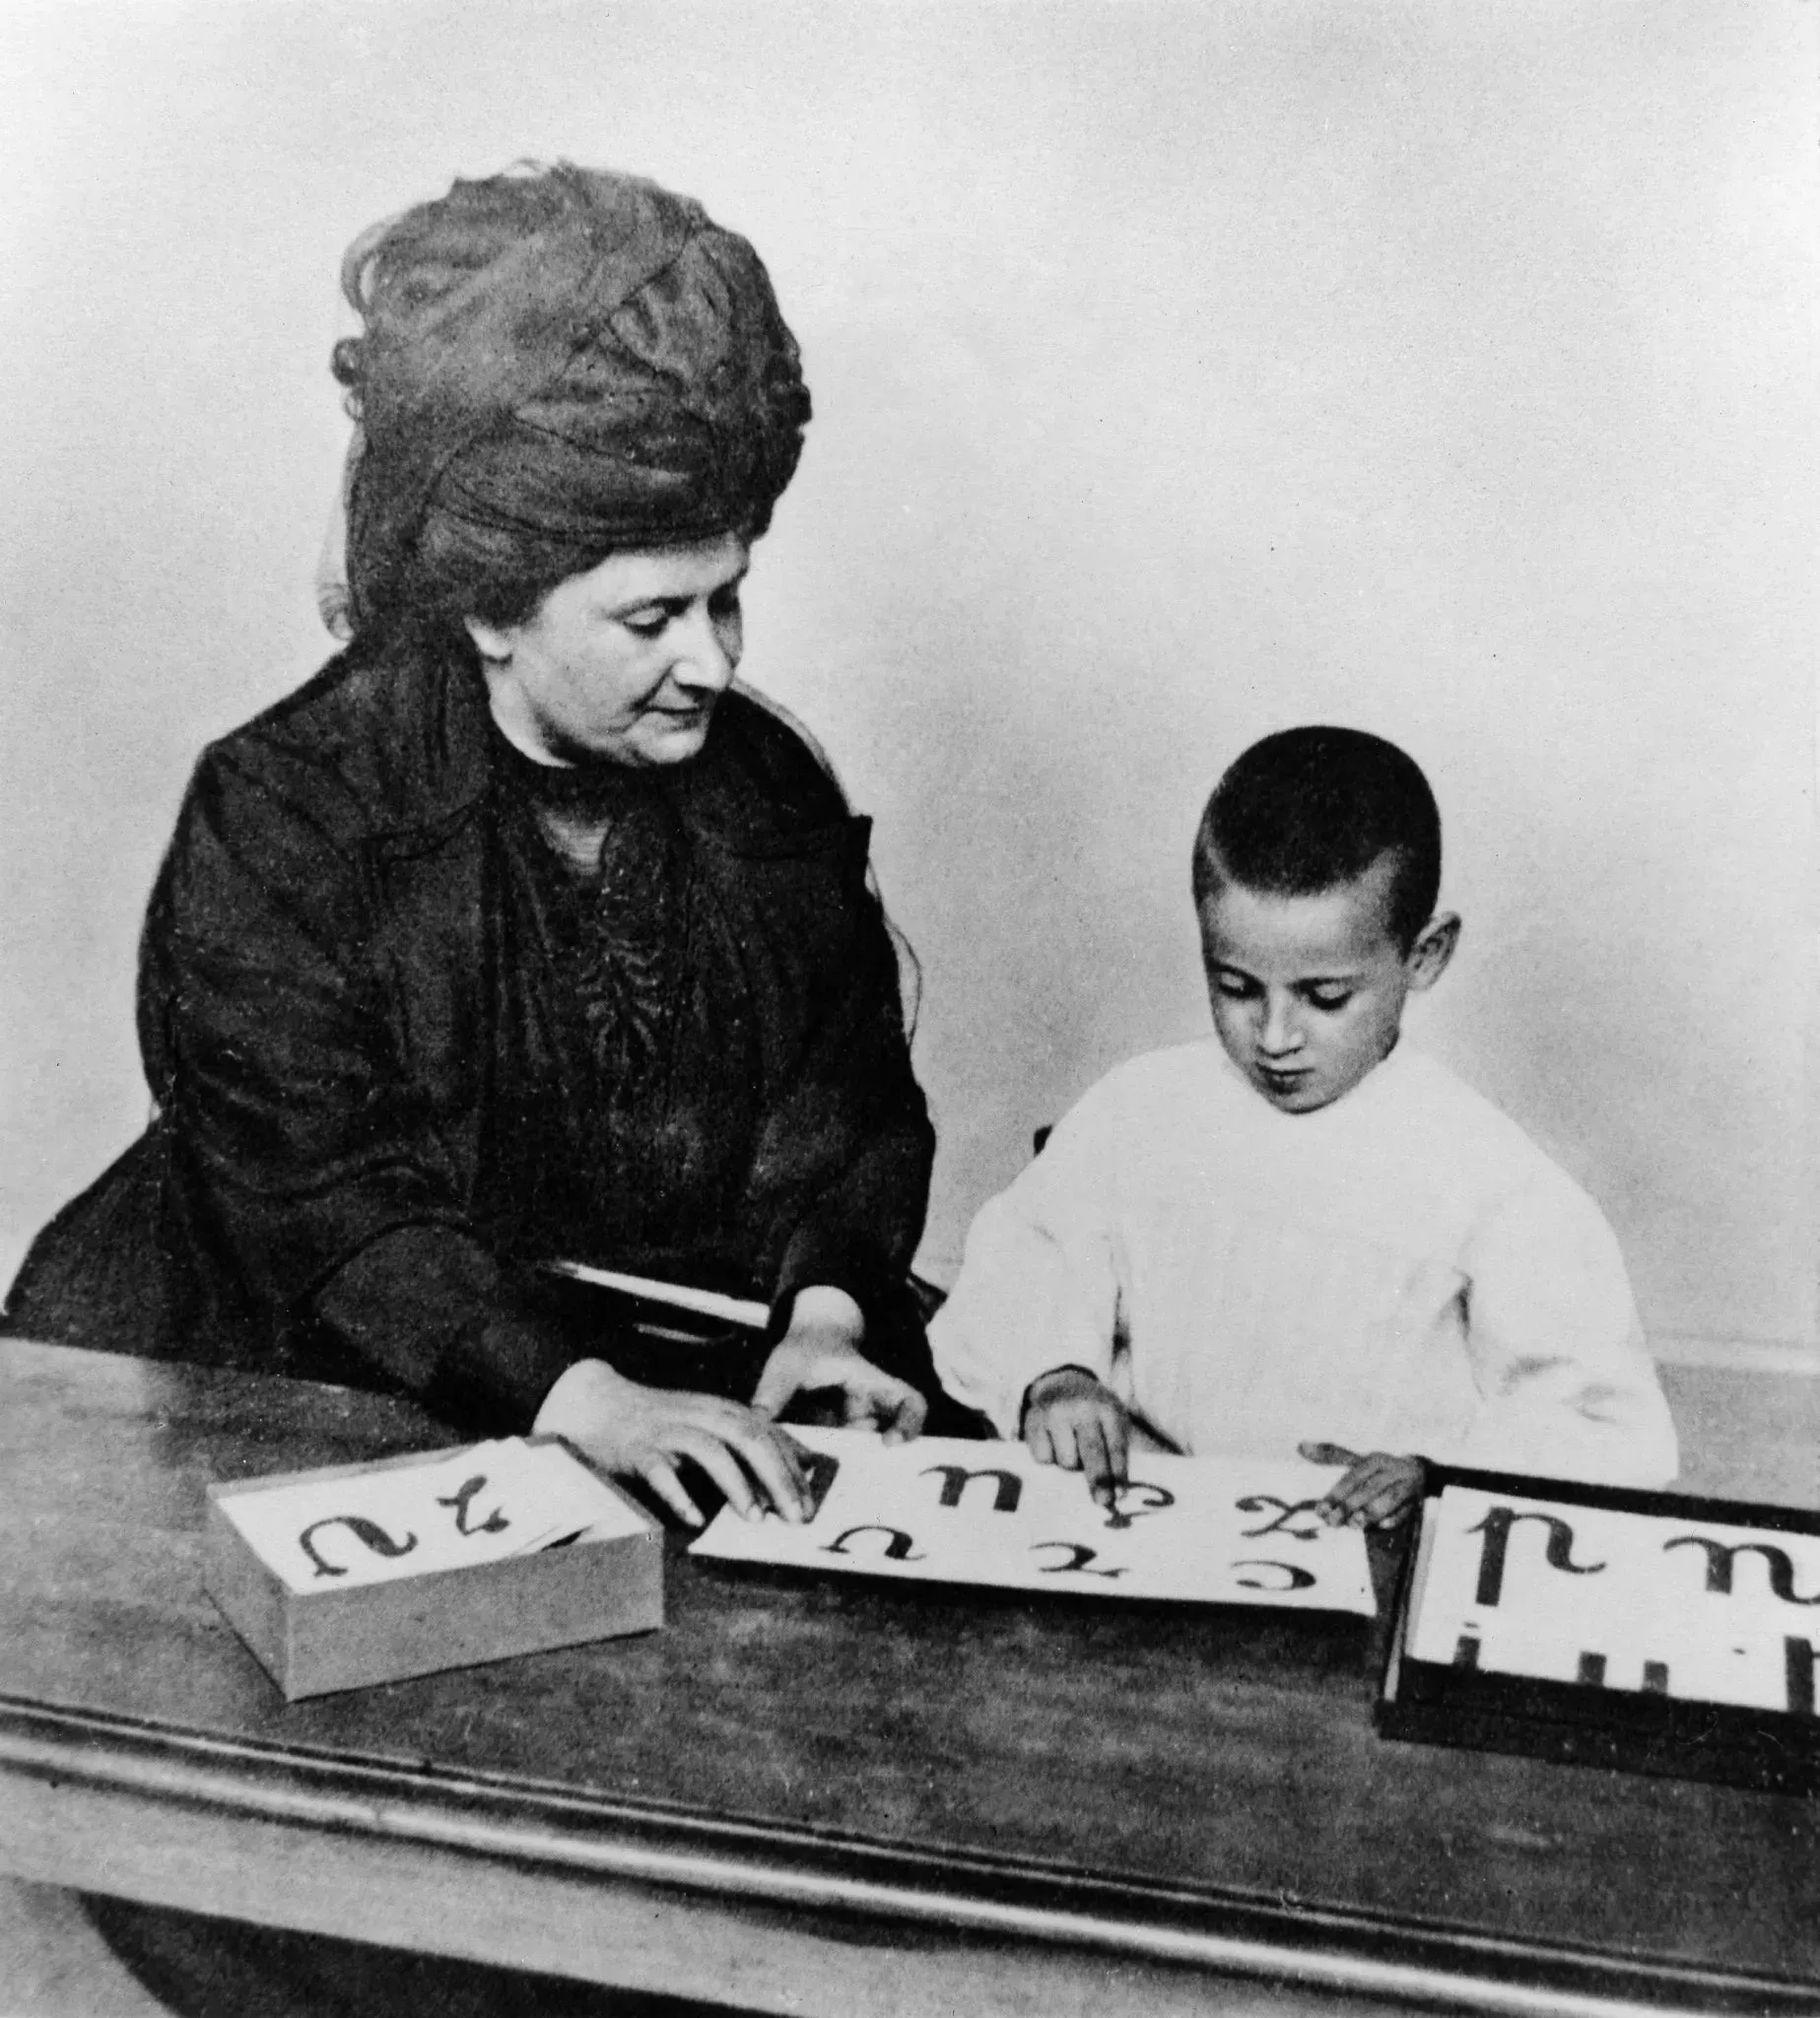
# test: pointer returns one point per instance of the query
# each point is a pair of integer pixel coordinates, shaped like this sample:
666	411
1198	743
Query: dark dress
403	1045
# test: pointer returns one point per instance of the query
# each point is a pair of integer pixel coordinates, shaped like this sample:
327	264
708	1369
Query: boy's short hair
1310	808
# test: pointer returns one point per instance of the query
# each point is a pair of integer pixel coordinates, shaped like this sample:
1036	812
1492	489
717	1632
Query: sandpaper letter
1080	1555
1120	1518
956	1478
817	1469
1298	1579
1259	1503
1496	1529
368	1532
1591	1674
897	1549
495	1522
1800	1658
1720	1557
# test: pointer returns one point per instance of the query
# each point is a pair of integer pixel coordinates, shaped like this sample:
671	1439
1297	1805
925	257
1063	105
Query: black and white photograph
909	1067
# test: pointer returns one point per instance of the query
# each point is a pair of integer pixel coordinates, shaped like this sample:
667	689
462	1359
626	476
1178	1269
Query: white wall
1180	372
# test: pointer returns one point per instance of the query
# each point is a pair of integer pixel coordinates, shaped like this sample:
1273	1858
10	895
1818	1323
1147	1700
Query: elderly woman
520	931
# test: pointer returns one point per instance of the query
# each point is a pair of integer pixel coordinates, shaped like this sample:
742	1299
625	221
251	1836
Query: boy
1303	1231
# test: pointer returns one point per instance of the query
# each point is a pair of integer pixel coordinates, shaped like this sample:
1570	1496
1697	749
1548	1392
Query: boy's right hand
1072	1420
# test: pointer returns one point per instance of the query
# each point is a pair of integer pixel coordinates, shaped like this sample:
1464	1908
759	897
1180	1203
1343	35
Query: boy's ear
1428	958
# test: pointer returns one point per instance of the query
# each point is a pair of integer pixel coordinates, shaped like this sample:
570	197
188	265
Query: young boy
1305	1237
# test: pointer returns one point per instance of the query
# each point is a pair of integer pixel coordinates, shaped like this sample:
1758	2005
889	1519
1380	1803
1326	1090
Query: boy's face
1307	991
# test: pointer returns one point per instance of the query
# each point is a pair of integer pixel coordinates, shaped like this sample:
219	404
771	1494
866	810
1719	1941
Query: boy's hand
1378	1491
1071	1420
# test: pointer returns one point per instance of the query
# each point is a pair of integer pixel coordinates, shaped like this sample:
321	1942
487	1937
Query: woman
520	932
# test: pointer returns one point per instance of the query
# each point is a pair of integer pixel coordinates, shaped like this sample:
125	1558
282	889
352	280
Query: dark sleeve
860	1232
853	1122
311	1176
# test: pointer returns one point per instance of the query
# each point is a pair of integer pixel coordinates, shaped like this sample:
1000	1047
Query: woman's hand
644	1433
1378	1491
820	1351
1070	1419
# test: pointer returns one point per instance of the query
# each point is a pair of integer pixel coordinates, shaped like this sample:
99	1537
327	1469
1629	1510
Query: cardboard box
347	1635
1592	1625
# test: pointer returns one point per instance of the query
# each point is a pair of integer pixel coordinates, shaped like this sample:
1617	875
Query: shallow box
314	1642
1593	1625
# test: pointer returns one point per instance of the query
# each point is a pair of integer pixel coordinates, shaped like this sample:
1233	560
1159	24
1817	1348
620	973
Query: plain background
1180	372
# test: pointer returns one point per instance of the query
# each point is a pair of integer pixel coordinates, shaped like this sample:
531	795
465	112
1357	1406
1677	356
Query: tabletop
863	1796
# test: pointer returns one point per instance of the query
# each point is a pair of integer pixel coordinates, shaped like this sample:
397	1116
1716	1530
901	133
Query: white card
1213	1531
1701	1610
477	1505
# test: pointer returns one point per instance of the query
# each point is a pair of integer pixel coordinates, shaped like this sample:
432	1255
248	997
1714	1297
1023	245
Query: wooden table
826	1796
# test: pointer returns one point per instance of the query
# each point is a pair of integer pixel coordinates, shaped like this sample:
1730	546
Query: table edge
967	1895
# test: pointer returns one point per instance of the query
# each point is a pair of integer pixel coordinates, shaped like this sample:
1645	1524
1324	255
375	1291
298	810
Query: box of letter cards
357	1574
1593	1625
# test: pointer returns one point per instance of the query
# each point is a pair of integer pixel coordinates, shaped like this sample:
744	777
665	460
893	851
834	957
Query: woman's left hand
821	1351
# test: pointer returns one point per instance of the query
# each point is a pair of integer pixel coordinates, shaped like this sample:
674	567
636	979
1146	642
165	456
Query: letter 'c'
1298	1579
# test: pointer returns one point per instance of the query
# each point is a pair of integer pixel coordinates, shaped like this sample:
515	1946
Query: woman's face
625	662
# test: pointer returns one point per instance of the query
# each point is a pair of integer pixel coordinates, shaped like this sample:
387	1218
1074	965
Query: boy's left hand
1378	1491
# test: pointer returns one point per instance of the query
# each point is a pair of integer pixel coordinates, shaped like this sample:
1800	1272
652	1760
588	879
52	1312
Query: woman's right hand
642	1433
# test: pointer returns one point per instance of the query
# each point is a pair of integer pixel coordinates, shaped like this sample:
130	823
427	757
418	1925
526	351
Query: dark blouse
627	1094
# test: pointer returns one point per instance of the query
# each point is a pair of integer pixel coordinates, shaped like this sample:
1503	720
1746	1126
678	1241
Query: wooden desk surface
902	1802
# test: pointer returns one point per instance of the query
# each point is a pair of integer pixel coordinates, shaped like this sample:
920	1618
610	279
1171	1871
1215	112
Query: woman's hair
556	363
1310	808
